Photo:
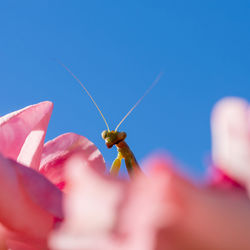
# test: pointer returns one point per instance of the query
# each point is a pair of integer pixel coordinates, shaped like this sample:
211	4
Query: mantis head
113	137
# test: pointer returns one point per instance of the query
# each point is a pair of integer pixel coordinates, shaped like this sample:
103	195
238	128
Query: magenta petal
57	151
29	203
22	133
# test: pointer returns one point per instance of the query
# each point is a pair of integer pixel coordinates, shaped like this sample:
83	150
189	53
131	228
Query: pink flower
164	210
31	176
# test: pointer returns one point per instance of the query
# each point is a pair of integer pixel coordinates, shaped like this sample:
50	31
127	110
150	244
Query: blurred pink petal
91	208
29	203
219	179
22	133
207	219
57	151
2	238
162	211
104	213
231	138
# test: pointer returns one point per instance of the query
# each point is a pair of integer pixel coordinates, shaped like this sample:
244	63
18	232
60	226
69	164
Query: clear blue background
117	48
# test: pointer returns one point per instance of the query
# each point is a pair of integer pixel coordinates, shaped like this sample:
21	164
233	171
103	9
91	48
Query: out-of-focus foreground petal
2	238
57	151
162	211
22	133
230	126
29	205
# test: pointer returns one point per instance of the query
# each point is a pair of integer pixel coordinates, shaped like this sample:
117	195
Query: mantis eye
104	134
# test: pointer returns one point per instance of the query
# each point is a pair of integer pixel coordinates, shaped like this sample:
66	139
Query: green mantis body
117	138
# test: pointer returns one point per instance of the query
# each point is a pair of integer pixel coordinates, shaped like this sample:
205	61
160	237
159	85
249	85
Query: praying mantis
114	137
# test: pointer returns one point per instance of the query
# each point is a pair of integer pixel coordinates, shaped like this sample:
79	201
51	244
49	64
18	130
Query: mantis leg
132	166
116	165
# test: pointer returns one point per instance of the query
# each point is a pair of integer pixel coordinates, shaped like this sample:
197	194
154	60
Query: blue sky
117	48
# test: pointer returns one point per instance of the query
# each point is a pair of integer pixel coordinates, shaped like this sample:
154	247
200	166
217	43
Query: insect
114	137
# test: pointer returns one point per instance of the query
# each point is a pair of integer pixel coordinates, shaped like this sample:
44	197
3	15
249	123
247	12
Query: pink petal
29	203
57	151
91	207
103	213
22	133
207	219
3	237
231	138
217	178
158	212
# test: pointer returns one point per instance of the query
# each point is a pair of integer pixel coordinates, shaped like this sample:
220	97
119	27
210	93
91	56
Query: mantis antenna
85	91
137	103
